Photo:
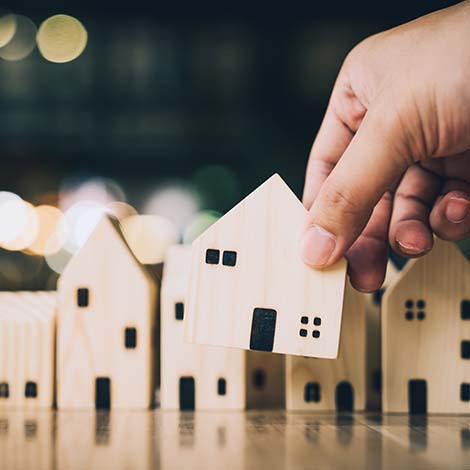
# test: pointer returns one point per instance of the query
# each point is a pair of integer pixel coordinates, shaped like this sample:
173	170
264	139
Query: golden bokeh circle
7	28
61	38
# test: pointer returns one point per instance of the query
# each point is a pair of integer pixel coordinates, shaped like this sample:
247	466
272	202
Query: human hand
391	161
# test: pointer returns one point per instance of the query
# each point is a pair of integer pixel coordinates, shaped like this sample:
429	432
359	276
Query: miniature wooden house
340	384
27	329
249	288
426	335
207	377
106	318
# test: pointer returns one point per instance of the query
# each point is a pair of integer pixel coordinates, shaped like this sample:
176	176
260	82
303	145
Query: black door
263	328
344	397
187	393
103	393
417	396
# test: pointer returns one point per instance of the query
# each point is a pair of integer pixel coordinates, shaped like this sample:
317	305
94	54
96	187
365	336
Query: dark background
165	89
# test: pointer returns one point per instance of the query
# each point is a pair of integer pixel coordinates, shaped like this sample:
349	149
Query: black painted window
31	390
303	332
221	387
4	390
259	379
317	321
465	349
316	334
212	256
83	297
465	309
179	310
229	258
312	392
263	327
103	393
465	392
130	338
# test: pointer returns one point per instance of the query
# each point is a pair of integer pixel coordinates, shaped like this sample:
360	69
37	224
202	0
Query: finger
450	216
342	119
367	256
374	159
410	232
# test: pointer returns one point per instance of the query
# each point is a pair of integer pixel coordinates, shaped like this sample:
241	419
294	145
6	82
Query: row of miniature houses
112	345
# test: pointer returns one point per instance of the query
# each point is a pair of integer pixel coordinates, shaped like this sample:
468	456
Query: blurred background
163	115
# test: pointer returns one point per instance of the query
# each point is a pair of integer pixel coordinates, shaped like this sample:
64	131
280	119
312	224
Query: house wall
90	340
429	348
350	366
182	359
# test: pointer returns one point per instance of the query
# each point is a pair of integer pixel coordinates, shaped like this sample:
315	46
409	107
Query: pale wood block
116	293
322	384
257	300
193	376
374	343
422	332
265	380
115	440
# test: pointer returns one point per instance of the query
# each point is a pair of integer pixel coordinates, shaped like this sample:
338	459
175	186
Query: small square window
212	256
179	310
304	320
465	349
130	338
409	315
229	258
317	321
421	303
465	392
409	303
316	334
303	333
83	297
465	309
31	390
421	316
4	390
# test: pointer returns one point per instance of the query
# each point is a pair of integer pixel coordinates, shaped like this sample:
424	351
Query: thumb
374	159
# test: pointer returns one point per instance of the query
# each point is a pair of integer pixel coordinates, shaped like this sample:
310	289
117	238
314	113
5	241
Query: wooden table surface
230	440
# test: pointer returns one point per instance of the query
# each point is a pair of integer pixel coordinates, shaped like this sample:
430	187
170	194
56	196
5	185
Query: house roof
274	183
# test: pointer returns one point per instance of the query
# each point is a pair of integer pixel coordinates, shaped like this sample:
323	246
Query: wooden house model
426	335
106	320
27	329
208	377
340	384
249	289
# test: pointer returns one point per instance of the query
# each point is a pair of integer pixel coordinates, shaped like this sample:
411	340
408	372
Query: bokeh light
7	27
13	216
199	224
23	41
99	190
50	237
61	38
219	186
28	231
149	237
176	202
59	260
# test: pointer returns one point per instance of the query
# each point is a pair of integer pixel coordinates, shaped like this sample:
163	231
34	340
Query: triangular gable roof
439	245
114	223
274	183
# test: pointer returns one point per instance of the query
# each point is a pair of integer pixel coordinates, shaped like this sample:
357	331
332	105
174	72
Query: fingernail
457	209
317	246
410	248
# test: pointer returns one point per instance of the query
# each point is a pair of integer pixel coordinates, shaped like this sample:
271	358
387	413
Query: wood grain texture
27	338
208	364
264	232
90	339
428	349
373	304
350	366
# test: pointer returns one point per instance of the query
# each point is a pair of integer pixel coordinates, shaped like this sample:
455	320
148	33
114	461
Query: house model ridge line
249	289
106	220
426	335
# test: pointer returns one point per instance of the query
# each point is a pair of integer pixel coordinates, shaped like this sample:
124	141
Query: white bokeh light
13	216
